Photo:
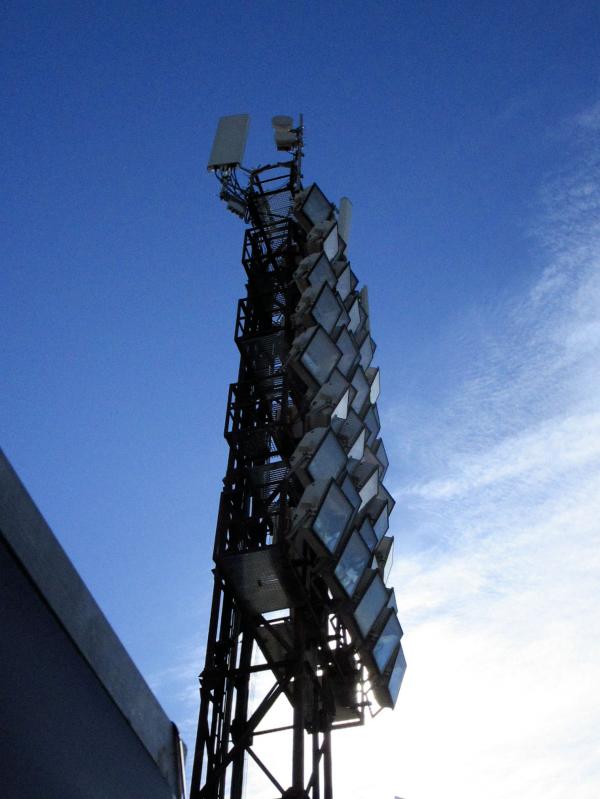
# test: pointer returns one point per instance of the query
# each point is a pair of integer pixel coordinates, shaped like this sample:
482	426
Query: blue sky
467	137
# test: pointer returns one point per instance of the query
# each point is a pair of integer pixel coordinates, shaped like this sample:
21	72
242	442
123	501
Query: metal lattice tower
301	550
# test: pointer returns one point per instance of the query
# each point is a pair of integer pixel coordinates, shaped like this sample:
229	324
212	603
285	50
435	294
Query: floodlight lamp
324	238
349	350
366	477
332	243
312	207
351	493
314	355
384	556
367	350
367	533
343	285
378	450
386	693
353	563
371	420
359	381
331	401
355	319
384	496
313	271
372	602
377	512
333	517
318	456
349	432
387	643
320	306
322	516
356	451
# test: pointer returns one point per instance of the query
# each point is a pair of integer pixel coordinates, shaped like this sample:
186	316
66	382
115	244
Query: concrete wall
76	717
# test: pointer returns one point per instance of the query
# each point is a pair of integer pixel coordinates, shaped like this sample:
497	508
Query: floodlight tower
301	552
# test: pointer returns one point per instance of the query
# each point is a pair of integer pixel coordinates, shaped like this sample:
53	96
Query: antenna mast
300	613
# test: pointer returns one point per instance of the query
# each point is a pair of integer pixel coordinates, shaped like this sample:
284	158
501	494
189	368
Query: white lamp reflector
230	141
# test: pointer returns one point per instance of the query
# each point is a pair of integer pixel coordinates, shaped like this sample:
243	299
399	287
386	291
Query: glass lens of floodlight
375	388
381	455
353	562
359	381
372	422
397	675
328	460
385	495
333	517
357	450
344	318
366	352
368	534
351	428
369	490
371	605
389	562
320	356
331	243
341	409
321	273
387	642
326	309
354	316
349	352
381	523
351	492
344	283
316	206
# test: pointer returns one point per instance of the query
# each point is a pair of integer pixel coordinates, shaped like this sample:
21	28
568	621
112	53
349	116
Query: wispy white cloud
501	610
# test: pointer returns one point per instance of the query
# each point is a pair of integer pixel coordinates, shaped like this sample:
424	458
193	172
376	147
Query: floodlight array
340	461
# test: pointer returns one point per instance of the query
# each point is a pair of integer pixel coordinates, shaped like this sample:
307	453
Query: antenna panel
230	141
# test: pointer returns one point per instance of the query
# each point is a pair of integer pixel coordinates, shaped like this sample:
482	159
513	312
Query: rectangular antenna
230	142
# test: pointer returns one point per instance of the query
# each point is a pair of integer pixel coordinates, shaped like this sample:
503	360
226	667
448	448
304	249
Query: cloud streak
501	610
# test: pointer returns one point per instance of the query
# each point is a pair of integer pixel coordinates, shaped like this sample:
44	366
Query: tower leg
327	773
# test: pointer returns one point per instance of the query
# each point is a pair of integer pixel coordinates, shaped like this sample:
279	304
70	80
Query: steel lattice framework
300	548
